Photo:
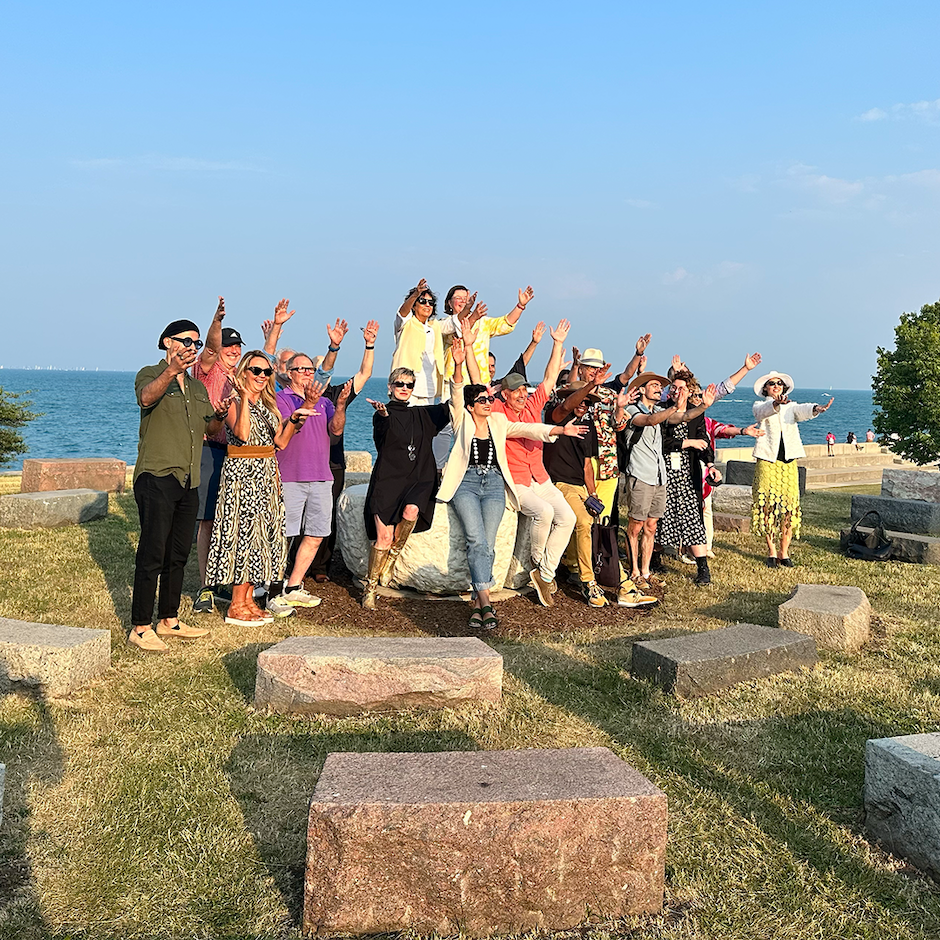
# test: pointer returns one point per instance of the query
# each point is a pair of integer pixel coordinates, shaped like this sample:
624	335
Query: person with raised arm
477	480
248	545
215	368
176	415
775	508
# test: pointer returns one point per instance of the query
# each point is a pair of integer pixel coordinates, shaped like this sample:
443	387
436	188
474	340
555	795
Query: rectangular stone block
55	658
732	498
903	515
920	549
89	473
481	842
47	510
741	473
331	675
725	522
836	616
902	797
701	663
911	484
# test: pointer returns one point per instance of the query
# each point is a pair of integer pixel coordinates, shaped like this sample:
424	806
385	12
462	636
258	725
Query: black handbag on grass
605	555
873	546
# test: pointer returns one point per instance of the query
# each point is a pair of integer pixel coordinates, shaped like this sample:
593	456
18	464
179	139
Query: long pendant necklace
482	469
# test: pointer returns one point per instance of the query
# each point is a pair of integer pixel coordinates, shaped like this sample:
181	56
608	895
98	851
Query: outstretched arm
681	415
750	362
210	354
409	302
537	335
338	422
635	363
559	335
272	328
524	297
336	334
572	401
369	333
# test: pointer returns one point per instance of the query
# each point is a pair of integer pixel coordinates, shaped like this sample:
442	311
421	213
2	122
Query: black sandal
476	619
489	618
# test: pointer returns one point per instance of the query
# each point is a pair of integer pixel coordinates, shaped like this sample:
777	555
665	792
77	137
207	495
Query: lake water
94	414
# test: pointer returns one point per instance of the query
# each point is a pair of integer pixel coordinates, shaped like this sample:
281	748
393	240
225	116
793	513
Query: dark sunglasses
188	341
425	302
774	382
484	400
257	370
302	369
403	384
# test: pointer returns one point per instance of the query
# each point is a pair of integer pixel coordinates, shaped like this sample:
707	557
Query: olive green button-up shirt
172	429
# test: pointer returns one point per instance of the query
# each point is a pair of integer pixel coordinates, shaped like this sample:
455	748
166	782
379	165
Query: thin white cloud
873	114
928	178
721	271
926	111
161	162
828	188
673	277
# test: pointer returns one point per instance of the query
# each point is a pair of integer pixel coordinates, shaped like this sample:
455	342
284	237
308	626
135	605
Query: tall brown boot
402	531
377	559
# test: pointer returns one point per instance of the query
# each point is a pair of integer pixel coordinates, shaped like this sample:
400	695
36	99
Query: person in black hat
175	415
215	368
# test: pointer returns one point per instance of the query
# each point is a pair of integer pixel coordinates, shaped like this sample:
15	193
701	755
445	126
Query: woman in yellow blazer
477	481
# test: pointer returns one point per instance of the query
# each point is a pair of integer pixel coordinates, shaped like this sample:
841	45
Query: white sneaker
300	598
279	607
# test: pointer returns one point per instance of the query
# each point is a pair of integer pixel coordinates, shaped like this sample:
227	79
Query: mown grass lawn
158	803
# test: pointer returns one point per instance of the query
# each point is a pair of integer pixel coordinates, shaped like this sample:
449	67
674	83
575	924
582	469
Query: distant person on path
248	544
851	438
830	444
175	416
870	436
776	488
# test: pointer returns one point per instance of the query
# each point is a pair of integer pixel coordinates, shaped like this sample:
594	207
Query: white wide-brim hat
759	384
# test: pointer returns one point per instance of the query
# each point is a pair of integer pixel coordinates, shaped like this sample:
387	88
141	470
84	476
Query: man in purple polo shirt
306	476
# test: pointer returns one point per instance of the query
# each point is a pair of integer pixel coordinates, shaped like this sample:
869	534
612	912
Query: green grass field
158	803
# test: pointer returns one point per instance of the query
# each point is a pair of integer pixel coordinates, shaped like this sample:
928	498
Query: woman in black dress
404	481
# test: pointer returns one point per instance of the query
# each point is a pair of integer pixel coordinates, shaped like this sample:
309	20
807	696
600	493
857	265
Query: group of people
261	468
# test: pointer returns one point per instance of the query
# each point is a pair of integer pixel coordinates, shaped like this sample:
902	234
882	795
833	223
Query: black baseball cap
231	337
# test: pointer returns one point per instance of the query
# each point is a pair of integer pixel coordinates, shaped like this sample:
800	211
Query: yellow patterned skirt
776	498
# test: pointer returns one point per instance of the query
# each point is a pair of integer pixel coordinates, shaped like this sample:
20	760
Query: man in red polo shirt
552	518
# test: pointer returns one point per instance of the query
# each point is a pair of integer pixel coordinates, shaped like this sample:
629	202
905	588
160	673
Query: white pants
709	520
444	440
552	524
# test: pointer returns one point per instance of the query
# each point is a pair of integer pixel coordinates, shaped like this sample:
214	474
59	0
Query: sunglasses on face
425	302
403	384
257	370
775	382
187	341
484	400
302	369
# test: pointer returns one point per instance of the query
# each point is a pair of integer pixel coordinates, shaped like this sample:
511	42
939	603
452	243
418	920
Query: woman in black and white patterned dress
248	544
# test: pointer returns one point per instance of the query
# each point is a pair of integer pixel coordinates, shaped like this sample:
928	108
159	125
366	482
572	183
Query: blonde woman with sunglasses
248	545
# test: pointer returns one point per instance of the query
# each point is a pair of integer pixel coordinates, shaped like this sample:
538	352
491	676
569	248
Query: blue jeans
479	503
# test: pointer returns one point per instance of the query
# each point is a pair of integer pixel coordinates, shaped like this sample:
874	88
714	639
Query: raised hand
312	392
476	313
525	296
539	332
575	357
182	359
822	408
281	313
560	333
222	411
676	362
602	375
344	394
220	310
752	361
459	350
682	397
370	331
266	327
625	398
714	474
708	396
641	368
642	343
337	332
379	406
421	288
300	416
468	330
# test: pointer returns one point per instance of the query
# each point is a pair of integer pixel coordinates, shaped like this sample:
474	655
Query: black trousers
167	513
321	561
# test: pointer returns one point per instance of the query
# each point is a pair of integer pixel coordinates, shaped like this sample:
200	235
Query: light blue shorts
308	508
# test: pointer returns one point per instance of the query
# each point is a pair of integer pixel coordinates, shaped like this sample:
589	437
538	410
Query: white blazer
783	423
500	428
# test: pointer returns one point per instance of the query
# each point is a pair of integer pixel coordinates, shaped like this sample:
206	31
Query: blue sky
728	176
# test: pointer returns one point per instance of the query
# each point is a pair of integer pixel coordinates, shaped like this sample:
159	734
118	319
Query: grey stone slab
902	797
919	549
701	663
349	675
836	616
914	516
732	498
52	508
741	473
55	658
911	484
481	842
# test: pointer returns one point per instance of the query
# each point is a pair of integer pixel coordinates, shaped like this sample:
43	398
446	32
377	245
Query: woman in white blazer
477	481
775	507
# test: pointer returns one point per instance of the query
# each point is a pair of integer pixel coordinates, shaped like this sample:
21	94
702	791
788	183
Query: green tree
14	413
906	387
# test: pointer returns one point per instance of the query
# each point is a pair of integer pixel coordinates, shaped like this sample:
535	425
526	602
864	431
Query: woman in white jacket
477	481
775	508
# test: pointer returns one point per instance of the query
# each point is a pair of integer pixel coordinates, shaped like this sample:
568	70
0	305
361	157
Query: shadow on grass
273	777
112	546
31	752
748	607
242	667
794	777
